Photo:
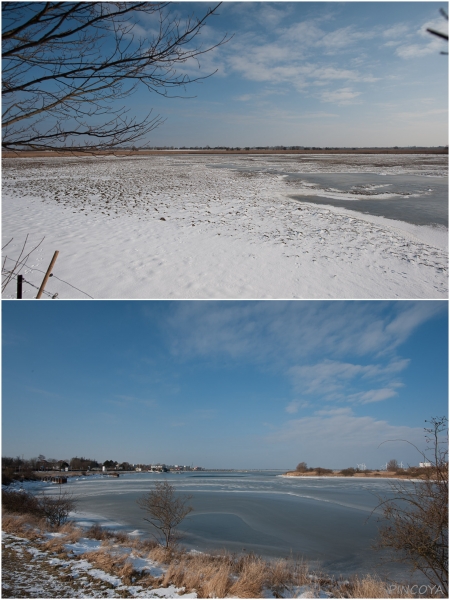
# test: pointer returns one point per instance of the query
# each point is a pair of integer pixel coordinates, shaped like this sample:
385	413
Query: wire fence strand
32	285
58	278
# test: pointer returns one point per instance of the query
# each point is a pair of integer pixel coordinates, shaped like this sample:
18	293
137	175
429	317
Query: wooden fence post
19	286
47	275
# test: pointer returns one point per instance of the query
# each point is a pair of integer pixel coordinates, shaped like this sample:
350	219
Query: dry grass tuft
371	586
55	545
123	538
127	572
143	545
96	532
160	554
27	526
279	575
71	532
105	560
252	578
218	584
209	577
150	582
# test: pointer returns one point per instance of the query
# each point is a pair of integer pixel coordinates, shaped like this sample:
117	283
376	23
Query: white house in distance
424	464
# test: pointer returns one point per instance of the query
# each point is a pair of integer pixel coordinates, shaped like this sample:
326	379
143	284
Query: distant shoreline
370	474
167	152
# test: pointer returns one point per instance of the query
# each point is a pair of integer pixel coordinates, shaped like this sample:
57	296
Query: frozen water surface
326	520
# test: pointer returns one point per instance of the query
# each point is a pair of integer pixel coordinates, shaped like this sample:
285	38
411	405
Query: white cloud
244	97
373	396
293	407
336	380
398	31
423	42
340	96
284	332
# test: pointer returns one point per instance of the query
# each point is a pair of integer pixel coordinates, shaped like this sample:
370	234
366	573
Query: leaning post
47	275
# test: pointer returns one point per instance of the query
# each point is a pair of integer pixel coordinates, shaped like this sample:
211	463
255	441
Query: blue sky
312	74
223	384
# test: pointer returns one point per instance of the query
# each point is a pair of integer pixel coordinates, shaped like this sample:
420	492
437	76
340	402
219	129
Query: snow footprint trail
174	227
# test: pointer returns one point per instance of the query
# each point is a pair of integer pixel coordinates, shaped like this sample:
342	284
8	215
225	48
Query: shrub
417	515
96	532
322	471
54	510
348	472
21	502
57	509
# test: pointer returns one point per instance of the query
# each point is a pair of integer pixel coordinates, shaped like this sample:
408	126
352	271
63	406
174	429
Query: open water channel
327	521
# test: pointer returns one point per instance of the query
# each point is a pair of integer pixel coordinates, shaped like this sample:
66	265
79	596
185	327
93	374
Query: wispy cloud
238	329
422	43
336	380
341	96
294	406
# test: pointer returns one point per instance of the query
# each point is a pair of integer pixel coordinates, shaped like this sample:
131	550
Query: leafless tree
166	510
66	65
301	467
56	509
392	465
417	514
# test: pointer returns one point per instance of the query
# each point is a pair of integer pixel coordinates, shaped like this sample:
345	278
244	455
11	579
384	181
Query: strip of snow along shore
72	563
175	227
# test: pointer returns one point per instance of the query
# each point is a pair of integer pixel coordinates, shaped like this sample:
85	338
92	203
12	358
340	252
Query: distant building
424	464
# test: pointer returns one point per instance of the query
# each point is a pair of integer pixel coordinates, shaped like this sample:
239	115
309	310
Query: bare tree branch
416	516
67	64
165	510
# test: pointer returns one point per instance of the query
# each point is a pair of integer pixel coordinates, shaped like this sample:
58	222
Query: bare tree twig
66	65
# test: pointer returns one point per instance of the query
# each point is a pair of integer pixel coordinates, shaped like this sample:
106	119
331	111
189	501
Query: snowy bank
175	227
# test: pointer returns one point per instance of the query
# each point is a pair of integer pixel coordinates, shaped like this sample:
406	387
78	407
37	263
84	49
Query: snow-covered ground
28	571
176	227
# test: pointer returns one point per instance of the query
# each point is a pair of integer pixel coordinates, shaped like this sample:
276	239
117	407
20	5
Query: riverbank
39	561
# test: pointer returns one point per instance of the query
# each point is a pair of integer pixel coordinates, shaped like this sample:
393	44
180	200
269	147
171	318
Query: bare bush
417	515
302	467
57	509
97	532
21	502
348	472
166	511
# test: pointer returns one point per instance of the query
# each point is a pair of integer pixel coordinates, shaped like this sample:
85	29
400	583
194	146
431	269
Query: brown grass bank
218	575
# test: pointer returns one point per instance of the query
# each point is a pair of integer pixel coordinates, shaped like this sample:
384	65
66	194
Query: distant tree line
25	469
391	466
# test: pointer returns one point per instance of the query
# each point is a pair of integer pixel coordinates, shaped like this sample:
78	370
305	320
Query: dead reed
217	575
